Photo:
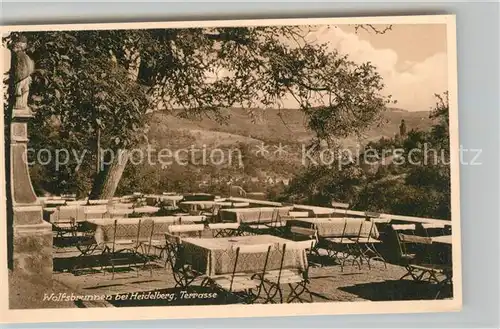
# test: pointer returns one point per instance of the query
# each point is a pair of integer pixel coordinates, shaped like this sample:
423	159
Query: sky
411	58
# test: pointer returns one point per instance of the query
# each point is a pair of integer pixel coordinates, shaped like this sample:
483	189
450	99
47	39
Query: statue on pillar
30	237
22	68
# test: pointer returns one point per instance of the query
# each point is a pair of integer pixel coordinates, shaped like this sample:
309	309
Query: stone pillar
31	236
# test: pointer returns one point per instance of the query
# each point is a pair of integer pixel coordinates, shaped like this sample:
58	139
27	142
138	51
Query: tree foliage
419	186
81	84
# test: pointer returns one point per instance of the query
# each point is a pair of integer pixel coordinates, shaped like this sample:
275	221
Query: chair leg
377	254
411	272
297	290
273	291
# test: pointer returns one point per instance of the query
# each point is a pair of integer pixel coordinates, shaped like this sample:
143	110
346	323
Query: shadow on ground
79	265
397	290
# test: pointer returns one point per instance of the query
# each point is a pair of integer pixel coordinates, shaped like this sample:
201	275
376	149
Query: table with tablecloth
213	256
154	199
146	210
128	228
53	203
337	227
206	205
253	215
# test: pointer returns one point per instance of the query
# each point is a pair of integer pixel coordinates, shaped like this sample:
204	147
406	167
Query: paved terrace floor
328	283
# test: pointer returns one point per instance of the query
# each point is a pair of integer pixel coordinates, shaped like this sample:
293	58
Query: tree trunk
107	179
106	182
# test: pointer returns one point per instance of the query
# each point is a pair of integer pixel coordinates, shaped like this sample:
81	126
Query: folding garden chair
155	246
212	216
241	283
63	221
187	230
344	247
184	231
182	272
298	233
296	279
260	227
221	230
277	224
431	229
146	242
420	263
365	244
122	250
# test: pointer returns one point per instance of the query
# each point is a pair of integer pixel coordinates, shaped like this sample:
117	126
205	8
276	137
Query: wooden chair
344	247
182	272
155	246
63	221
123	248
244	285
146	242
212	216
224	229
431	229
340	205
298	233
260	227
420	262
189	230
297	280
277	224
366	243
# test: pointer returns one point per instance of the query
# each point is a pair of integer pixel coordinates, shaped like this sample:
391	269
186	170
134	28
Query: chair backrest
301	245
98	202
119	212
173	246
187	230
215	209
368	230
419	246
76	203
127	205
222	226
432	225
353	227
305	232
126	231
276	216
147	229
433	229
254	248
340	205
403	227
307	246
244	253
298	214
406	238
408	229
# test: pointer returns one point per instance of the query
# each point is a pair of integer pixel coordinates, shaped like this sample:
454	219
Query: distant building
402	129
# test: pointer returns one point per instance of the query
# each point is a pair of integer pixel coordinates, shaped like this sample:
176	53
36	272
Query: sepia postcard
240	168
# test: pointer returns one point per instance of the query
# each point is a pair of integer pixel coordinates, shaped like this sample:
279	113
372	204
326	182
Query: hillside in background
251	171
273	126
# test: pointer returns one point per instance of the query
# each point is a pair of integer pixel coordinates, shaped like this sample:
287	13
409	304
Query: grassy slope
269	127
